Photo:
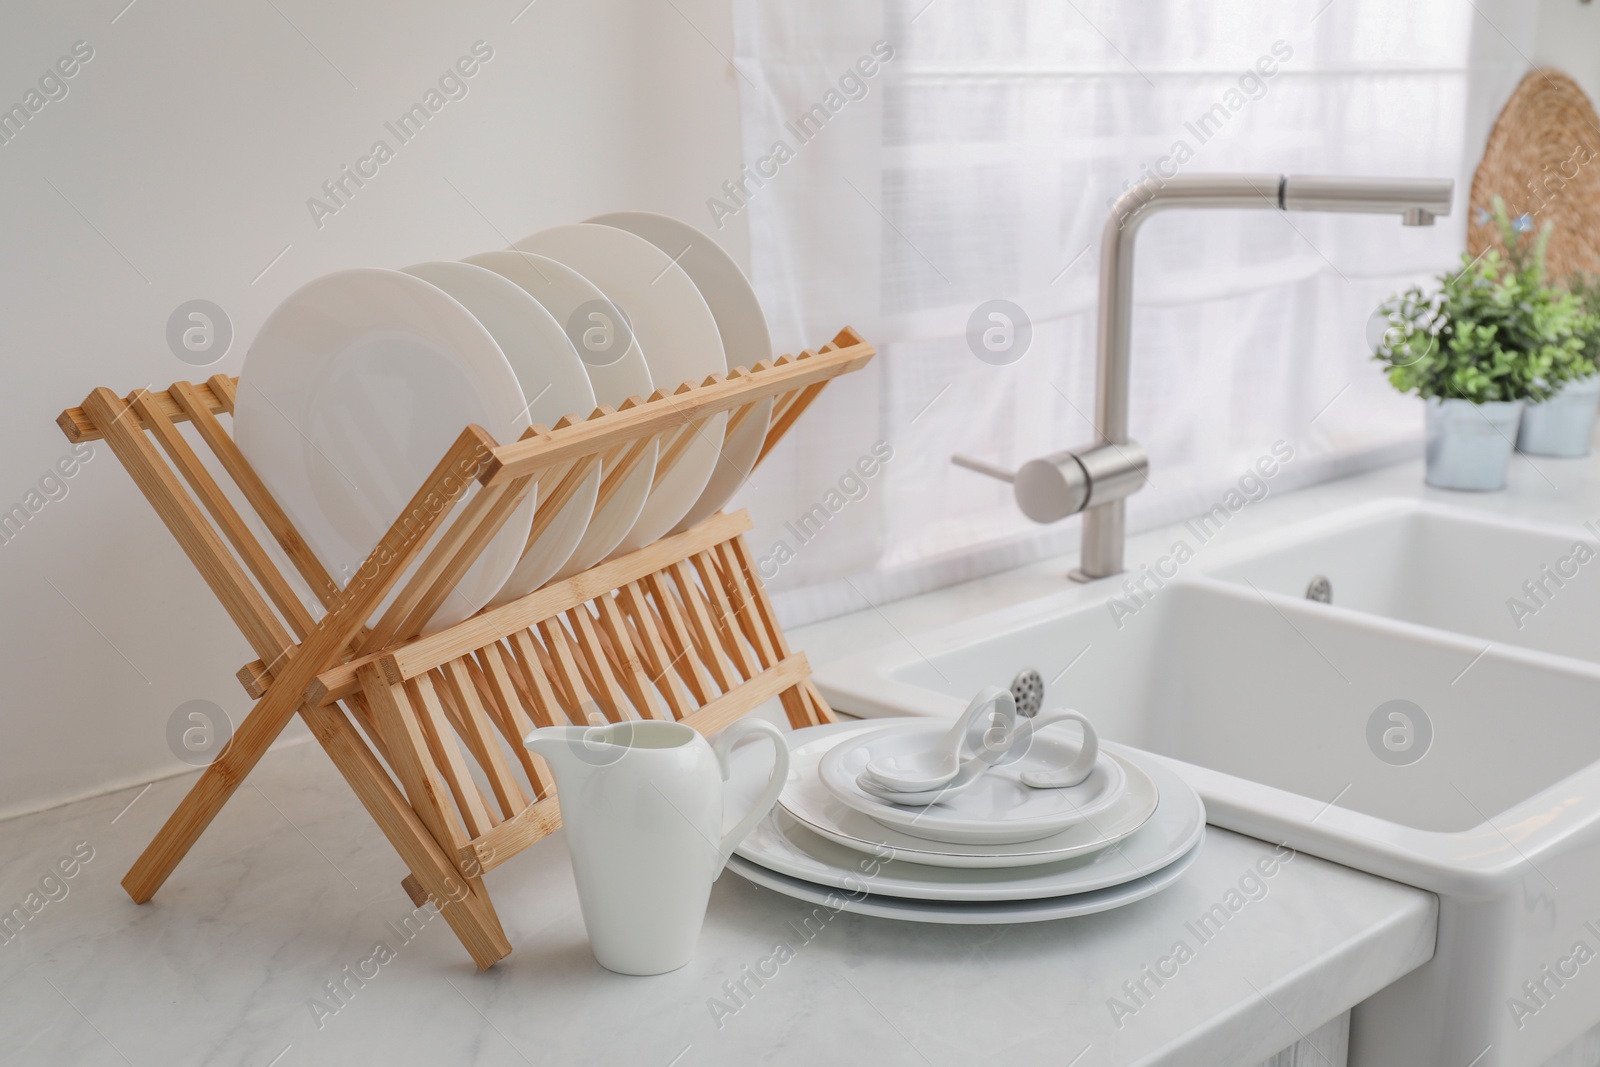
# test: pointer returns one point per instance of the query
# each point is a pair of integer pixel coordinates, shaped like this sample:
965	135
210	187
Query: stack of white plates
999	853
359	382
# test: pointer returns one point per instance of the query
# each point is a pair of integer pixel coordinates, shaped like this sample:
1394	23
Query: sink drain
1028	691
1320	590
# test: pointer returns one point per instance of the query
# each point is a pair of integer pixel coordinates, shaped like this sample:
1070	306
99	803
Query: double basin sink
1407	689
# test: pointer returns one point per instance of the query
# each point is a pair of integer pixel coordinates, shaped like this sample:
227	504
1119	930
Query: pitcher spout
558	745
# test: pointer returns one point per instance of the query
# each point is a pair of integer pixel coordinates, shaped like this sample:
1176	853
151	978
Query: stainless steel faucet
1096	478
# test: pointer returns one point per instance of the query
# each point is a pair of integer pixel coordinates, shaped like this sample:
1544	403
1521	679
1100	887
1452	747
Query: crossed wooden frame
427	728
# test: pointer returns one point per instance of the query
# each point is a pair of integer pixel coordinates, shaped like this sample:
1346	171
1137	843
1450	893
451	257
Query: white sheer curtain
955	152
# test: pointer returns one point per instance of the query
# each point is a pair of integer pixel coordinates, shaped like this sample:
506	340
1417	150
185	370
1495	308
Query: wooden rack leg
433	873
201	804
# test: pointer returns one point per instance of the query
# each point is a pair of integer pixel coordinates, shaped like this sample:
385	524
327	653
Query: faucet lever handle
1047	489
971	464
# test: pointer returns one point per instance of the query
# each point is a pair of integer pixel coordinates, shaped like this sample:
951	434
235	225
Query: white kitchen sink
1282	712
1511	582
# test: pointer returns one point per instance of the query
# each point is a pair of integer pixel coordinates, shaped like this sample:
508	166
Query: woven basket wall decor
1543	158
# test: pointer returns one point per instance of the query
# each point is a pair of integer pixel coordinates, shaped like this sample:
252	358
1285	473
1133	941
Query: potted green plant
1563	425
1490	338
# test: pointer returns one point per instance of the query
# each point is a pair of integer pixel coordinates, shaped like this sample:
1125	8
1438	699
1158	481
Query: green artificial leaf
1494	330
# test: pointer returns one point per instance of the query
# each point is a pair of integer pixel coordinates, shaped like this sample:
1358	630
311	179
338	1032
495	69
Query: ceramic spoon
934	768
1076	773
1079	769
971	770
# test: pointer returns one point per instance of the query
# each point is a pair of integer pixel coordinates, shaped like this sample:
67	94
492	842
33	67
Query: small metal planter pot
1563	425
1470	445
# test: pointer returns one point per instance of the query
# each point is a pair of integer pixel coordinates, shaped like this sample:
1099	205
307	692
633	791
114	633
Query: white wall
1569	39
189	144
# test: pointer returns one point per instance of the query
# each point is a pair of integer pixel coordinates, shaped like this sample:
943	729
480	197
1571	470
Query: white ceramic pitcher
642	805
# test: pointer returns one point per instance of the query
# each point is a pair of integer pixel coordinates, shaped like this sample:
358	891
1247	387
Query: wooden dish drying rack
427	728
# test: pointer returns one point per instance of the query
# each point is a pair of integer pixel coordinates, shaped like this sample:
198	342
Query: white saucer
554	383
808	801
784	846
678	336
965	913
995	809
566	294
745	339
351	393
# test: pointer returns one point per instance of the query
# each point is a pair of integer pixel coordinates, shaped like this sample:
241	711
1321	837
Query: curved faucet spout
1416	200
1116	271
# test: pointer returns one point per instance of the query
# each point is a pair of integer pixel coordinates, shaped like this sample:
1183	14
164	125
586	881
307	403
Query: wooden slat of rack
226	389
484	739
820	711
745	607
466	553
607	688
617	475
631	599
605	691
550	507
510	665
512	712
255	678
210	494
440	730
81	424
400	713
701	629
783	420
675	633
249	611
547	707
629	669
195	406
566	697
675	442
426	589
744	413
395	707
521	458
361	714
424	654
803	704
564	670
723	614
784	402
721	629
532	823
758	593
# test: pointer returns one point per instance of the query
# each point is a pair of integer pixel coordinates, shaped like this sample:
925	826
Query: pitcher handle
731	736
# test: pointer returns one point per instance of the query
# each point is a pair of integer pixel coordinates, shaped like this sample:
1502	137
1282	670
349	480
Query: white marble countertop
293	883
